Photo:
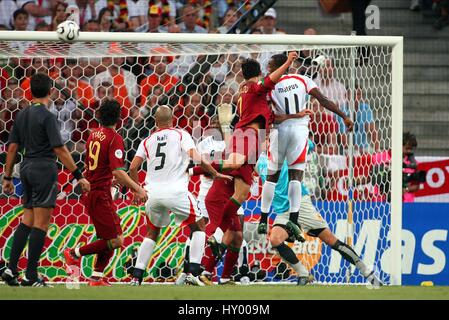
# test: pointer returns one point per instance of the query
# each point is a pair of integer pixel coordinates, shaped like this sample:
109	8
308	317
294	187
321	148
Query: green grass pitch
252	292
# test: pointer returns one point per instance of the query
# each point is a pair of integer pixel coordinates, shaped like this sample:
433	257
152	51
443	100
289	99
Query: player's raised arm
277	74
330	105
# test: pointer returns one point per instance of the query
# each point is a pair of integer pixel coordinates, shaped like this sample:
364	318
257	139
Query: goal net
349	176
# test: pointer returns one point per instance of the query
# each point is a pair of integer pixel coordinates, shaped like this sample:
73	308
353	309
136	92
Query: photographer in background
411	177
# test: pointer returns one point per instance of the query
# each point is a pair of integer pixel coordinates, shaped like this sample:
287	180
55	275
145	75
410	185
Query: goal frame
394	42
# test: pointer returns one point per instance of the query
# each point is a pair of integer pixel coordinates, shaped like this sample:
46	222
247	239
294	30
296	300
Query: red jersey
105	153
253	104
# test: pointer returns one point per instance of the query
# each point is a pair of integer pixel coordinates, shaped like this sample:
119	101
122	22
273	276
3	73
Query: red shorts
216	199
102	211
245	141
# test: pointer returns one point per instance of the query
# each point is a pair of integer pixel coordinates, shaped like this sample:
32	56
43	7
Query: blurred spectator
190	17
304	64
88	9
230	18
11	103
324	128
65	110
7	9
443	10
192	116
152	100
124	82
37	65
411	177
154	21
137	12
329	86
59	14
158	77
39	10
106	20
235	76
79	90
268	22
168	9
91	26
219	70
21	20
365	132
43	26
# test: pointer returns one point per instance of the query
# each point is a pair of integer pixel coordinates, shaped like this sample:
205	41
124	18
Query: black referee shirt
36	131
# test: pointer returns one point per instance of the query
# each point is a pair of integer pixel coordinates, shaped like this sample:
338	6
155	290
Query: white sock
294	195
300	269
218	235
267	196
197	246
144	254
243	253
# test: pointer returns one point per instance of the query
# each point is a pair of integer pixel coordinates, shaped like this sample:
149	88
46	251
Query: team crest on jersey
118	154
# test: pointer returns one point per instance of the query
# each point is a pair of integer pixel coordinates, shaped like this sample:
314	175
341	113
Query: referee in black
36	131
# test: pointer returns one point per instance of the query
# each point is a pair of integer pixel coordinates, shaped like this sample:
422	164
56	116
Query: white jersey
214	149
289	96
167	160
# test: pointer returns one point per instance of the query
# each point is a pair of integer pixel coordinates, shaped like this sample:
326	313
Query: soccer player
309	219
167	152
212	147
104	162
225	198
36	133
289	140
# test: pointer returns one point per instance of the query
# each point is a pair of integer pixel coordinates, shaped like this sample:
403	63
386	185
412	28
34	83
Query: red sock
196	171
209	262
95	247
230	214
103	260
232	255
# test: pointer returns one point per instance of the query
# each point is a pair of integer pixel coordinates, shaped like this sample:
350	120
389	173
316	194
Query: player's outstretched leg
277	237
349	255
144	255
181	279
267	198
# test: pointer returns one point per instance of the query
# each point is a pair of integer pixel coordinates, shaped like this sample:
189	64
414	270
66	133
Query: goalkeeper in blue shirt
310	221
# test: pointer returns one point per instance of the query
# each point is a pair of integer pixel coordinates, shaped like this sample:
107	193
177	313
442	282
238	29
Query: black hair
278	60
250	69
41	85
410	139
19	11
109	113
102	13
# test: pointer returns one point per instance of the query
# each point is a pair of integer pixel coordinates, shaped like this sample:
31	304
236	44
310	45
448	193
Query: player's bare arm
278	73
205	165
136	163
8	186
123	179
282	117
63	154
331	106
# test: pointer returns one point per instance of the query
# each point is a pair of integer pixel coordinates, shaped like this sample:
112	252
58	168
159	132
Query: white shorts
309	218
289	141
183	206
202	207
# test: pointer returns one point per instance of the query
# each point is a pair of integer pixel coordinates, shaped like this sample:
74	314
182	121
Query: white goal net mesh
194	79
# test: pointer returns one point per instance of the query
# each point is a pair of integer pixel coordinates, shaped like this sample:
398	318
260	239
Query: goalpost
120	65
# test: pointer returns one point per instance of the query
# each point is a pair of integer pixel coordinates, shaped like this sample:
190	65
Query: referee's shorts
40	183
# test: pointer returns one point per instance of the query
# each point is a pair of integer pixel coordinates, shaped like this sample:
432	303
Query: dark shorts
102	211
40	183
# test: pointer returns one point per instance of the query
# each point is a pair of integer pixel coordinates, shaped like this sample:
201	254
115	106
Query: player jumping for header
225	198
289	140
167	152
104	161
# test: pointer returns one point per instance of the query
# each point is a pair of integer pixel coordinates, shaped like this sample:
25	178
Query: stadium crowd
138	83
